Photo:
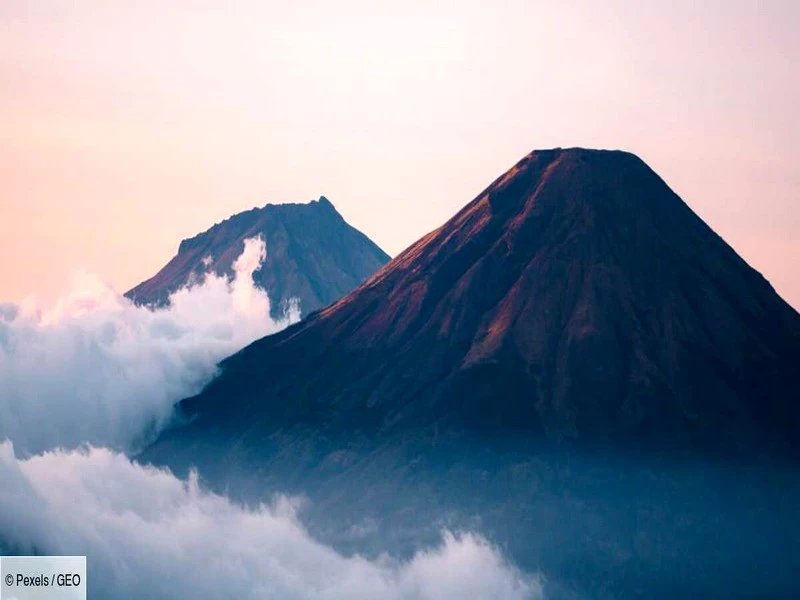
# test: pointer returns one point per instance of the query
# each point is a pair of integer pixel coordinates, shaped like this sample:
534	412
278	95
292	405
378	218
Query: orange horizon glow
126	127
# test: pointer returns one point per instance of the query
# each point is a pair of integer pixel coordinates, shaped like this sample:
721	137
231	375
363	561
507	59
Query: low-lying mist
92	377
148	534
95	368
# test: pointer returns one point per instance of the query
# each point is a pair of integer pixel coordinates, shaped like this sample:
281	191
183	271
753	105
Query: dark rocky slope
575	364
313	255
576	298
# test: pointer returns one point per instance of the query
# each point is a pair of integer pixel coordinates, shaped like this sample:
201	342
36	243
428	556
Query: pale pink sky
127	126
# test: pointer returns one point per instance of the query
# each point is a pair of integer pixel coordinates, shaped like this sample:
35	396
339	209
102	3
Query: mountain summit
574	364
313	256
576	298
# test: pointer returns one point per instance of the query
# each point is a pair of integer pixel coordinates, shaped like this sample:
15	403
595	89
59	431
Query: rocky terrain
574	364
313	255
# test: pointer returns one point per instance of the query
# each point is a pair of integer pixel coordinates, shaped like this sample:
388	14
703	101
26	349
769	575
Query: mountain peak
313	255
577	286
570	167
565	157
321	202
560	358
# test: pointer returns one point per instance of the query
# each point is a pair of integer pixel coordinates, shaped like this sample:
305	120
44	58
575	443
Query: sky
128	126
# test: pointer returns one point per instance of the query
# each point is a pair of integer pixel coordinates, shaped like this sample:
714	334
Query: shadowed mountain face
575	364
577	298
313	255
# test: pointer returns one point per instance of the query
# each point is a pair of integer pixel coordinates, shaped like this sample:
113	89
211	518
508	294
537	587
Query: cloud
95	368
148	534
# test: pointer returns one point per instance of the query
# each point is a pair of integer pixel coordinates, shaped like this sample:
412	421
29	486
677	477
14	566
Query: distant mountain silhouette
574	363
313	255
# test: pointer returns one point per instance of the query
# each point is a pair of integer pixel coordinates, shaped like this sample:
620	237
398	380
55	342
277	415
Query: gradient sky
127	126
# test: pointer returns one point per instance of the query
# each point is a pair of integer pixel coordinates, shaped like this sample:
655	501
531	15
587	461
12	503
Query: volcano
313	256
574	363
576	298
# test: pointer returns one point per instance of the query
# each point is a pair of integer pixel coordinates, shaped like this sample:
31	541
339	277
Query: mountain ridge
464	291
574	365
313	255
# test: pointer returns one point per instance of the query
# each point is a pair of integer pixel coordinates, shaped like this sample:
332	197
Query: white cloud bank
95	368
150	535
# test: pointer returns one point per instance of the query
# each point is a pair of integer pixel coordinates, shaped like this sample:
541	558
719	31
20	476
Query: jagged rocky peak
313	255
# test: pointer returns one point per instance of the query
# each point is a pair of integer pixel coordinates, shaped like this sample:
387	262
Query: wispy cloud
148	534
95	368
